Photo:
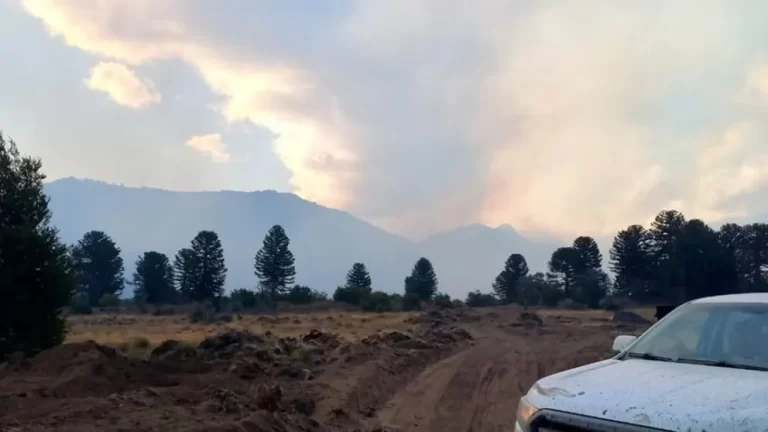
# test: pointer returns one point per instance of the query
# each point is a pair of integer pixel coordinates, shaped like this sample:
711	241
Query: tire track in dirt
478	389
473	391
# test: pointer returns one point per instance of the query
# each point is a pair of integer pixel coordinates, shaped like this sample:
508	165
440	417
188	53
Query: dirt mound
84	369
531	318
629	318
250	355
320	338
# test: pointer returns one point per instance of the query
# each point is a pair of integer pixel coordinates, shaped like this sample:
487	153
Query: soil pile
629	318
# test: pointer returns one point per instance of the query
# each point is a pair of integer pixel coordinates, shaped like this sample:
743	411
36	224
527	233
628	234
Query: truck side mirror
622	342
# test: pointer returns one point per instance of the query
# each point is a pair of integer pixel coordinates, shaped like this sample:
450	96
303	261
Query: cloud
122	85
211	145
423	114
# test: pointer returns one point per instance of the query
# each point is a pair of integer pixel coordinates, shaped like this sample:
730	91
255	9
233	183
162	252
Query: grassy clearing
135	331
138	334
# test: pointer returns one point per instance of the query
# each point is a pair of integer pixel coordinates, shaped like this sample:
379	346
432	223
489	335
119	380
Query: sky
417	115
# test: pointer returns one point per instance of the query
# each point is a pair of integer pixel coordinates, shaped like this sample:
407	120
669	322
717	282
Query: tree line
671	261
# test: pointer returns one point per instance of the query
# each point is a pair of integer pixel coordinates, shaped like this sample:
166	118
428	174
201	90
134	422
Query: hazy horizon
417	116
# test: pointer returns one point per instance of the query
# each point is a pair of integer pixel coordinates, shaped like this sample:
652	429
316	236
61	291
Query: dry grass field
138	334
119	329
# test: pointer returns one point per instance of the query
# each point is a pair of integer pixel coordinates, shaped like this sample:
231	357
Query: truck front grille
558	421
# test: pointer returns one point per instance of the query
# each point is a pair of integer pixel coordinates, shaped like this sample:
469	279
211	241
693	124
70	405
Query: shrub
567	303
299	294
246	298
202	314
411	302
348	295
164	311
319	296
81	304
610	303
141	343
378	301
443	300
479	299
109	300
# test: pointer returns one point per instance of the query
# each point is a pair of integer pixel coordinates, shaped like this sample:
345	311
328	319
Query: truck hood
671	396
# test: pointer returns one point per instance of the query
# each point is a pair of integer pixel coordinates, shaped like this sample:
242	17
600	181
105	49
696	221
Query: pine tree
359	279
98	266
732	239
36	275
506	283
423	281
589	252
153	279
274	263
185	272
565	264
590	286
707	270
631	262
211	271
666	231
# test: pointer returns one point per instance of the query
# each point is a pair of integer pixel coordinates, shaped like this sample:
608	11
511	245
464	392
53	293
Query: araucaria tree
565	264
359	279
506	284
153	279
589	254
36	278
205	266
98	266
185	272
274	263
631	262
422	282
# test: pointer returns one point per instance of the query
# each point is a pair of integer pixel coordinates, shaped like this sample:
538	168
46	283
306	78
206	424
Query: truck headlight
525	410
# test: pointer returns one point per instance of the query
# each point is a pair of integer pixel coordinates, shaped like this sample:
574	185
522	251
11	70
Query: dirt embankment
460	370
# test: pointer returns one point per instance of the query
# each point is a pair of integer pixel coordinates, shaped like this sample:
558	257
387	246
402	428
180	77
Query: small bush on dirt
480	299
302	354
378	301
140	343
109	300
457	303
81	304
443	300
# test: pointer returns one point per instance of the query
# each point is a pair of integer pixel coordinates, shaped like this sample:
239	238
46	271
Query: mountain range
326	242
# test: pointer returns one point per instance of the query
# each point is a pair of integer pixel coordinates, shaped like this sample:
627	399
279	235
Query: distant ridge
325	241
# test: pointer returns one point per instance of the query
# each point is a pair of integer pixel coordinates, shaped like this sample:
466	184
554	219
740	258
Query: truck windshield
718	334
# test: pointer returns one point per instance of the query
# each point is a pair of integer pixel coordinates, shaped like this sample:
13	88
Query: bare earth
448	370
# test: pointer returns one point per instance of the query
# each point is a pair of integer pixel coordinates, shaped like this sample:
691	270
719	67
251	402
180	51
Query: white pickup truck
702	368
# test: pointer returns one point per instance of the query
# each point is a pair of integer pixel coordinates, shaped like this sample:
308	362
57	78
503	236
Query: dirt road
478	389
456	371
